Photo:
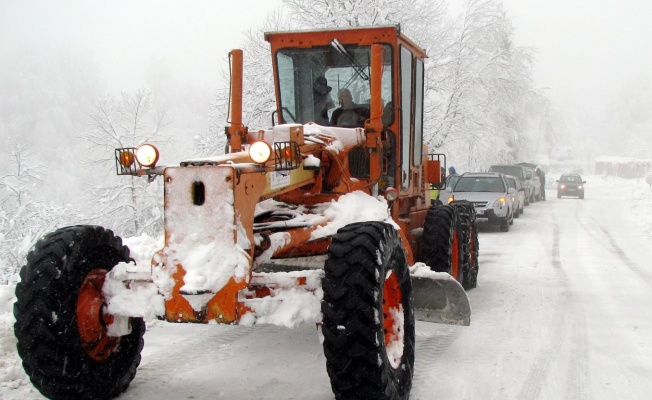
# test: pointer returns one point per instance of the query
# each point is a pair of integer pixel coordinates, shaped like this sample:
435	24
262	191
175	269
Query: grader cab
330	202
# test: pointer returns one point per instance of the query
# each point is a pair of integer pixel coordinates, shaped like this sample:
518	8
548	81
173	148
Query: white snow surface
561	311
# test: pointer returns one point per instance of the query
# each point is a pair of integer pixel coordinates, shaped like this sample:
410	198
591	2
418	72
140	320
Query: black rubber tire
504	224
469	229
442	224
357	361
46	322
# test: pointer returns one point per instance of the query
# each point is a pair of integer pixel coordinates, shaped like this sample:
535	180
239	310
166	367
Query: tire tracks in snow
568	320
189	350
617	250
432	343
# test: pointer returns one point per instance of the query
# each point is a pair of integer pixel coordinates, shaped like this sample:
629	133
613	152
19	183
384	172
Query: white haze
588	50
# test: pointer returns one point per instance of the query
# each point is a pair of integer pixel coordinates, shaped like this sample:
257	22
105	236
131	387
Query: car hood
478	196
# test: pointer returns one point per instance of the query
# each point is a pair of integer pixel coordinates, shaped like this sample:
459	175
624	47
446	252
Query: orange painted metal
91	320
236	128
392	303
434	174
455	255
177	308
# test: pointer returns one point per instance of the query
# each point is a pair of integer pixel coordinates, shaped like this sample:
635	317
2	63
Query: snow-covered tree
129	205
23	219
479	83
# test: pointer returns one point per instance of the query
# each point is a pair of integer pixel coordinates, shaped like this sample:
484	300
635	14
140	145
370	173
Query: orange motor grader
334	215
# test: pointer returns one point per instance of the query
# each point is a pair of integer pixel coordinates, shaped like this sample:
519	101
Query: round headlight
147	155
391	194
260	152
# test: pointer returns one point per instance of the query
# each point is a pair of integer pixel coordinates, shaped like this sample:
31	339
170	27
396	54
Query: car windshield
479	184
513	170
570	178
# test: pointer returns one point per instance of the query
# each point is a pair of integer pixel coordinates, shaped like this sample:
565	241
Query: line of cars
501	194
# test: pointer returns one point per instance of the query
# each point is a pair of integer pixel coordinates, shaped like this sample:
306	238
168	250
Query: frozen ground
561	311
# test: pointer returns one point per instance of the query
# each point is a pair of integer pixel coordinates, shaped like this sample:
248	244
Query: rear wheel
441	245
368	317
60	319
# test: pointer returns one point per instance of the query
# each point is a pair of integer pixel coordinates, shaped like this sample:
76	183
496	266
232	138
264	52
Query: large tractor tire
60	321
469	229
368	315
442	245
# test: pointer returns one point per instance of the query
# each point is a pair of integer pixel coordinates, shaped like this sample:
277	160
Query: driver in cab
349	114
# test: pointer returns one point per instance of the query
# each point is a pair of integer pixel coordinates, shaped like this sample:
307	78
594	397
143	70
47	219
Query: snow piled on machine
287	307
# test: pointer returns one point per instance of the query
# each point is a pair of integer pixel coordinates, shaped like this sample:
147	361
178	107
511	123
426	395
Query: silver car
518	198
519	172
490	195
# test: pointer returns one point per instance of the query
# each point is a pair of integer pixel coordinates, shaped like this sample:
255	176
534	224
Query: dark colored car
570	185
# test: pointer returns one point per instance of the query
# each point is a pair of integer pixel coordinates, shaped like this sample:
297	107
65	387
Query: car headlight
500	202
562	186
580	187
147	155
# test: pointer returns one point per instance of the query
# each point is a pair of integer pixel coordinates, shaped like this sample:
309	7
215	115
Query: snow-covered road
561	311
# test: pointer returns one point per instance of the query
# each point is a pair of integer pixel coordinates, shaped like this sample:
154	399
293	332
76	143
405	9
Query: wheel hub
92	319
455	256
393	319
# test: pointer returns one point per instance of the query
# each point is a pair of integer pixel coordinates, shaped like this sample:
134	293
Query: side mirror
511	190
583	181
449	190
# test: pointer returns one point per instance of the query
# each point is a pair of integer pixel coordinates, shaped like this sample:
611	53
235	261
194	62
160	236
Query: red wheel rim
91	320
393	318
455	255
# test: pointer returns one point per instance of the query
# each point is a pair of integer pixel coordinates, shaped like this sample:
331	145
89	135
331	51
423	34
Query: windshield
314	82
479	184
570	178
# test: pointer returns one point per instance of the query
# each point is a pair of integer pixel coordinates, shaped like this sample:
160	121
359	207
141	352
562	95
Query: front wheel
368	317
60	318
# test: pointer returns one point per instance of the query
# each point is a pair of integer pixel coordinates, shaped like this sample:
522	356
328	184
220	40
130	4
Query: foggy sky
127	37
588	50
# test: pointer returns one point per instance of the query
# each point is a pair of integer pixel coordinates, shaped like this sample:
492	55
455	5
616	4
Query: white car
534	183
518	198
490	195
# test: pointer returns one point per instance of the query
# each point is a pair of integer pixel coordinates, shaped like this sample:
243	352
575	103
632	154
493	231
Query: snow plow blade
440	299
